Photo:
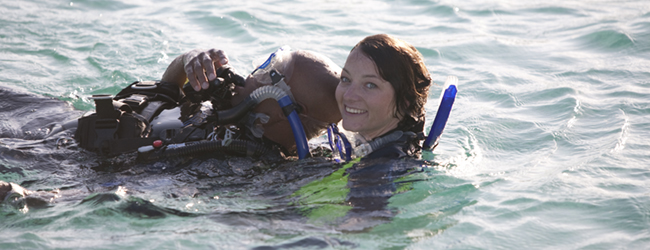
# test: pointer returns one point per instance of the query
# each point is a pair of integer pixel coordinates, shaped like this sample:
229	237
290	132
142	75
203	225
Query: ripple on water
605	41
546	146
23	240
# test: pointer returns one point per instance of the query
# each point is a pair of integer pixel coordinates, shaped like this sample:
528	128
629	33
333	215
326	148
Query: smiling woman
381	97
382	92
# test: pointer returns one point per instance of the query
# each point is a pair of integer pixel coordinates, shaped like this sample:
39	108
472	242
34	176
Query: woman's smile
366	101
354	111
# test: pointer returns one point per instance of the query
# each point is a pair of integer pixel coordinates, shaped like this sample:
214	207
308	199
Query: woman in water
381	95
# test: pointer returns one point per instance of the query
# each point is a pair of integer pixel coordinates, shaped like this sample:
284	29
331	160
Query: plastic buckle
136	99
227	137
144	85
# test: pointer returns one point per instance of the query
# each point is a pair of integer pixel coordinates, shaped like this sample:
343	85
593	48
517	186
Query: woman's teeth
354	111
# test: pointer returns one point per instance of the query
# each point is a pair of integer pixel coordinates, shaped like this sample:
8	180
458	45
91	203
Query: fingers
191	71
214	60
201	67
219	58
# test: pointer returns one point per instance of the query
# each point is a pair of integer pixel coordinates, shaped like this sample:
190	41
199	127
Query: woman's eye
344	79
371	85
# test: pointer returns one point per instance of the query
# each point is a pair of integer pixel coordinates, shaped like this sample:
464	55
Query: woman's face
365	99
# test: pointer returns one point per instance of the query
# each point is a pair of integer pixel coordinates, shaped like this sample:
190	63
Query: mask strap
339	142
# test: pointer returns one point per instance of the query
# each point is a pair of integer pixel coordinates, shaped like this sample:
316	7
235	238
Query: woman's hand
197	66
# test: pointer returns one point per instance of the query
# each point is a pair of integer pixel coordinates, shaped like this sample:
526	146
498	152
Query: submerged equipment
145	115
122	123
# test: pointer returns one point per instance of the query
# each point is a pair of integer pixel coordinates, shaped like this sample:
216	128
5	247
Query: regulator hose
256	97
284	100
243	147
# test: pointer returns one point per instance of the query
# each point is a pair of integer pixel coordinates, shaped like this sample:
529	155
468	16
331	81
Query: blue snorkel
296	127
440	120
267	72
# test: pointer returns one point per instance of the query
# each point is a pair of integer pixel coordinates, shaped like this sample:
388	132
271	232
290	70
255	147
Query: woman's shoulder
404	146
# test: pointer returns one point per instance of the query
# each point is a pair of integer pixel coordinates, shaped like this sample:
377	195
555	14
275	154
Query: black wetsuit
372	181
400	148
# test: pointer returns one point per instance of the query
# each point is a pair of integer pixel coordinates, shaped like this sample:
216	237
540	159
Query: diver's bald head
312	78
313	83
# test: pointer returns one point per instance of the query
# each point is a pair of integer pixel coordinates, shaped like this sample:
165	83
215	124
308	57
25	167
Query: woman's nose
351	92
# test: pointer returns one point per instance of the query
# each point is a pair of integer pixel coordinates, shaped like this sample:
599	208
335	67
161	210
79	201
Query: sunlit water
547	145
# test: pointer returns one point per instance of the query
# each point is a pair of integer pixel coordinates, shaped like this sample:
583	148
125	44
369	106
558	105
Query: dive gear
219	92
149	111
340	144
236	146
229	116
447	101
122	123
276	59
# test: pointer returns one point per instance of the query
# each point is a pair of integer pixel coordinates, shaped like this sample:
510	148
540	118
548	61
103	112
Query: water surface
546	146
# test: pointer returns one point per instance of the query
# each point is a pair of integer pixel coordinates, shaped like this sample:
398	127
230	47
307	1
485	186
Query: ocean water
546	147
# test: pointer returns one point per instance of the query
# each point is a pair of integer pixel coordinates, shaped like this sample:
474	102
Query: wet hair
401	64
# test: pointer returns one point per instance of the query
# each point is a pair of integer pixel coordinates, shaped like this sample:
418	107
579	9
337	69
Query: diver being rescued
275	110
202	105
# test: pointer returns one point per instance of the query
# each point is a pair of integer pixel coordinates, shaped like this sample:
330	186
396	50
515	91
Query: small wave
606	41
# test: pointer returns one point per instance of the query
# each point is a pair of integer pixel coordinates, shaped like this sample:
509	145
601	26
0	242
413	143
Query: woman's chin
352	126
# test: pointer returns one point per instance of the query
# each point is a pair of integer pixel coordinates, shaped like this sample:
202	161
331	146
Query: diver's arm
5	188
11	191
16	195
197	66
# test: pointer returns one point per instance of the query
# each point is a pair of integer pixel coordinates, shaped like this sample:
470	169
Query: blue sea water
546	148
